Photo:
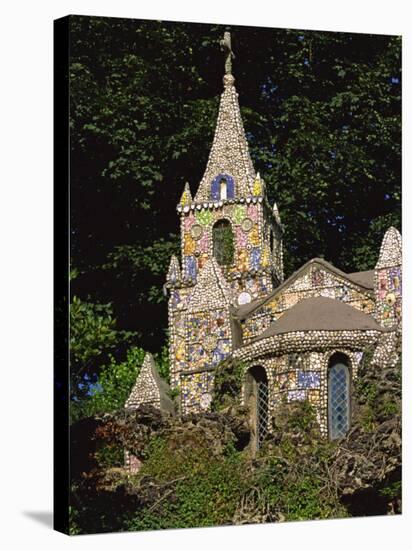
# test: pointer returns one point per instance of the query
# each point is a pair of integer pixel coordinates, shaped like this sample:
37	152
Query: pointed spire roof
276	214
391	249
150	388
258	186
186	197
229	154
211	288
173	274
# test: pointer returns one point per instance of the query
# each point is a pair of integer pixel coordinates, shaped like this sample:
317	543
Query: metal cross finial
227	47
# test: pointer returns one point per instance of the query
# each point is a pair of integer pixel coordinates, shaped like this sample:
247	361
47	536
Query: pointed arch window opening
223	242
339	386
257	399
222	188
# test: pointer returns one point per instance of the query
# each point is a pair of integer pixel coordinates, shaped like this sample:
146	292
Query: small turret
173	275
391	249
258	188
388	279
276	214
186	198
150	389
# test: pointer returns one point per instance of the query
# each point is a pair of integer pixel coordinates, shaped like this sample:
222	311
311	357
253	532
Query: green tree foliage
93	336
204	489
223	245
116	380
322	115
115	383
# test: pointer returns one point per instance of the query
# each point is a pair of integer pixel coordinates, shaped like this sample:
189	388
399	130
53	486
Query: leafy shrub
198	491
115	383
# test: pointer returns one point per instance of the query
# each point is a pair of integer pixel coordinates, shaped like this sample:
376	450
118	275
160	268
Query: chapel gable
317	278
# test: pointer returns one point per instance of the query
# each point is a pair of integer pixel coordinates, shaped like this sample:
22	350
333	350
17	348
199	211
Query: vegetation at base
228	380
199	490
199	470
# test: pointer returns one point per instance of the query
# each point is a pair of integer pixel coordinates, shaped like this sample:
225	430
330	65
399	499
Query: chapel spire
229	157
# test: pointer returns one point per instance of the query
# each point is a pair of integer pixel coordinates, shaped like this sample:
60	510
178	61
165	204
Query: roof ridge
245	311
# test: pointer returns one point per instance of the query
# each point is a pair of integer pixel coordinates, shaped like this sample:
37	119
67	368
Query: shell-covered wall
302	376
315	281
388	280
146	388
257	245
200	335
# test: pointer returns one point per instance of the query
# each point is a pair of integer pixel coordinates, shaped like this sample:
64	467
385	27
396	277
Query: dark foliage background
322	115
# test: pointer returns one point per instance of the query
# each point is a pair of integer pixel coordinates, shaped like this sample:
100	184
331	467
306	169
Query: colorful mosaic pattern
196	390
389	291
308	379
318	282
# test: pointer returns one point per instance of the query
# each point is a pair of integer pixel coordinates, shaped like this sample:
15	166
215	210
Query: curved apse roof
321	313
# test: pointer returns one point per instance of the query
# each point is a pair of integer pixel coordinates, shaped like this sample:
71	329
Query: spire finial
276	214
226	45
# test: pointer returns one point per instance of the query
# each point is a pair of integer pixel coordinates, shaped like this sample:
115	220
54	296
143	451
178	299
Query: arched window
257	398
338	397
222	188
223	243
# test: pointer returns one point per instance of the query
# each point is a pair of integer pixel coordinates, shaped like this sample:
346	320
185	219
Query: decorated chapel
300	338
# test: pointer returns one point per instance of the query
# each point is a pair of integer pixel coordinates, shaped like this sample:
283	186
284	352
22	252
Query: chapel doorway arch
257	401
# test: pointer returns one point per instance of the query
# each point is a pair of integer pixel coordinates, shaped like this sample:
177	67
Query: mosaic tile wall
257	244
200	335
388	280
315	282
177	332
298	377
196	392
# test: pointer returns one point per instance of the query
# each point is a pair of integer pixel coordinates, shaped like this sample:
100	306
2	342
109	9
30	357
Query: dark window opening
223	242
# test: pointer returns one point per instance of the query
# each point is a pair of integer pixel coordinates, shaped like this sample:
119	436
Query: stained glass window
262	410
257	399
338	398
